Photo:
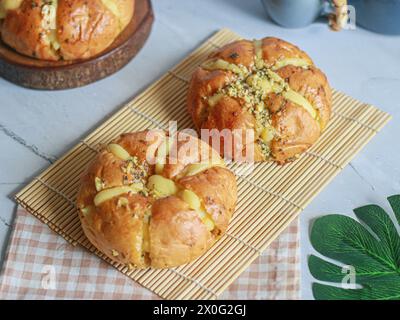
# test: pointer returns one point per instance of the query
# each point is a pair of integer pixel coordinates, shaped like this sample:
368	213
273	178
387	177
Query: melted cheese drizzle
195	168
110	193
213	100
6	5
49	23
219	64
259	61
112	6
163	152
292	95
118	151
162	187
159	186
195	203
297	62
86	210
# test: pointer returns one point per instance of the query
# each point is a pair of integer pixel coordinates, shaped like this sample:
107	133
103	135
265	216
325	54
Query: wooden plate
39	74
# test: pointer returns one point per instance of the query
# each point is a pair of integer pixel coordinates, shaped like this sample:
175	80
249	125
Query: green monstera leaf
369	253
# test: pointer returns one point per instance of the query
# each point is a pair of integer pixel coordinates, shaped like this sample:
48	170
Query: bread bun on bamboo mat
269	86
148	199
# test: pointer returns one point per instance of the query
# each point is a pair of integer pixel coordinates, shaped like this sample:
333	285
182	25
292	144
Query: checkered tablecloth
39	264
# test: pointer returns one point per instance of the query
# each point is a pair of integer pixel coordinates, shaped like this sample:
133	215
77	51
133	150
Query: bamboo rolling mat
269	198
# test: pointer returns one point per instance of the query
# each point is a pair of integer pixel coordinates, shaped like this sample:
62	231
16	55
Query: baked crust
269	86
142	228
64	29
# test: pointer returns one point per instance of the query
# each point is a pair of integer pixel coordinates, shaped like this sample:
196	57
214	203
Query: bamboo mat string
313	154
271	193
197	283
243	242
89	146
172	73
70	201
212	43
146	117
356	121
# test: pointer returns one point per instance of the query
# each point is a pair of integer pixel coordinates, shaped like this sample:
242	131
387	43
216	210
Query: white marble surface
359	63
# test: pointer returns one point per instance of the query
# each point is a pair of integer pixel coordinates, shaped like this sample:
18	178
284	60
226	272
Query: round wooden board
53	75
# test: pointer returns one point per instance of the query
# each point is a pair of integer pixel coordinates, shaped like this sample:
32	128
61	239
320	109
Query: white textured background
38	126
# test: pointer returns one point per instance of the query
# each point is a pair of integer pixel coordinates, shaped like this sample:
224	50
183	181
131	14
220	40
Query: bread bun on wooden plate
269	86
142	211
63	29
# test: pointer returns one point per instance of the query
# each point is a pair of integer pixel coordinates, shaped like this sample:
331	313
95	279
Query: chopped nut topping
130	266
122	202
134	171
252	86
99	184
253	89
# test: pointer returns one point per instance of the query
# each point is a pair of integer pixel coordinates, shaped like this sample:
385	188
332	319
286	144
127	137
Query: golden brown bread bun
269	86
63	29
141	211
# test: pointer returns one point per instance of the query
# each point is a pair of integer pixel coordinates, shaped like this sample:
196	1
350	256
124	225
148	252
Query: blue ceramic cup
381	16
293	13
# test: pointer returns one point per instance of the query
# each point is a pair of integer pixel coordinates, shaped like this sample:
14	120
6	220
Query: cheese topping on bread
160	215
253	85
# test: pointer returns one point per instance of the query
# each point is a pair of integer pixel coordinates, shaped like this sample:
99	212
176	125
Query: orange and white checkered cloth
39	264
